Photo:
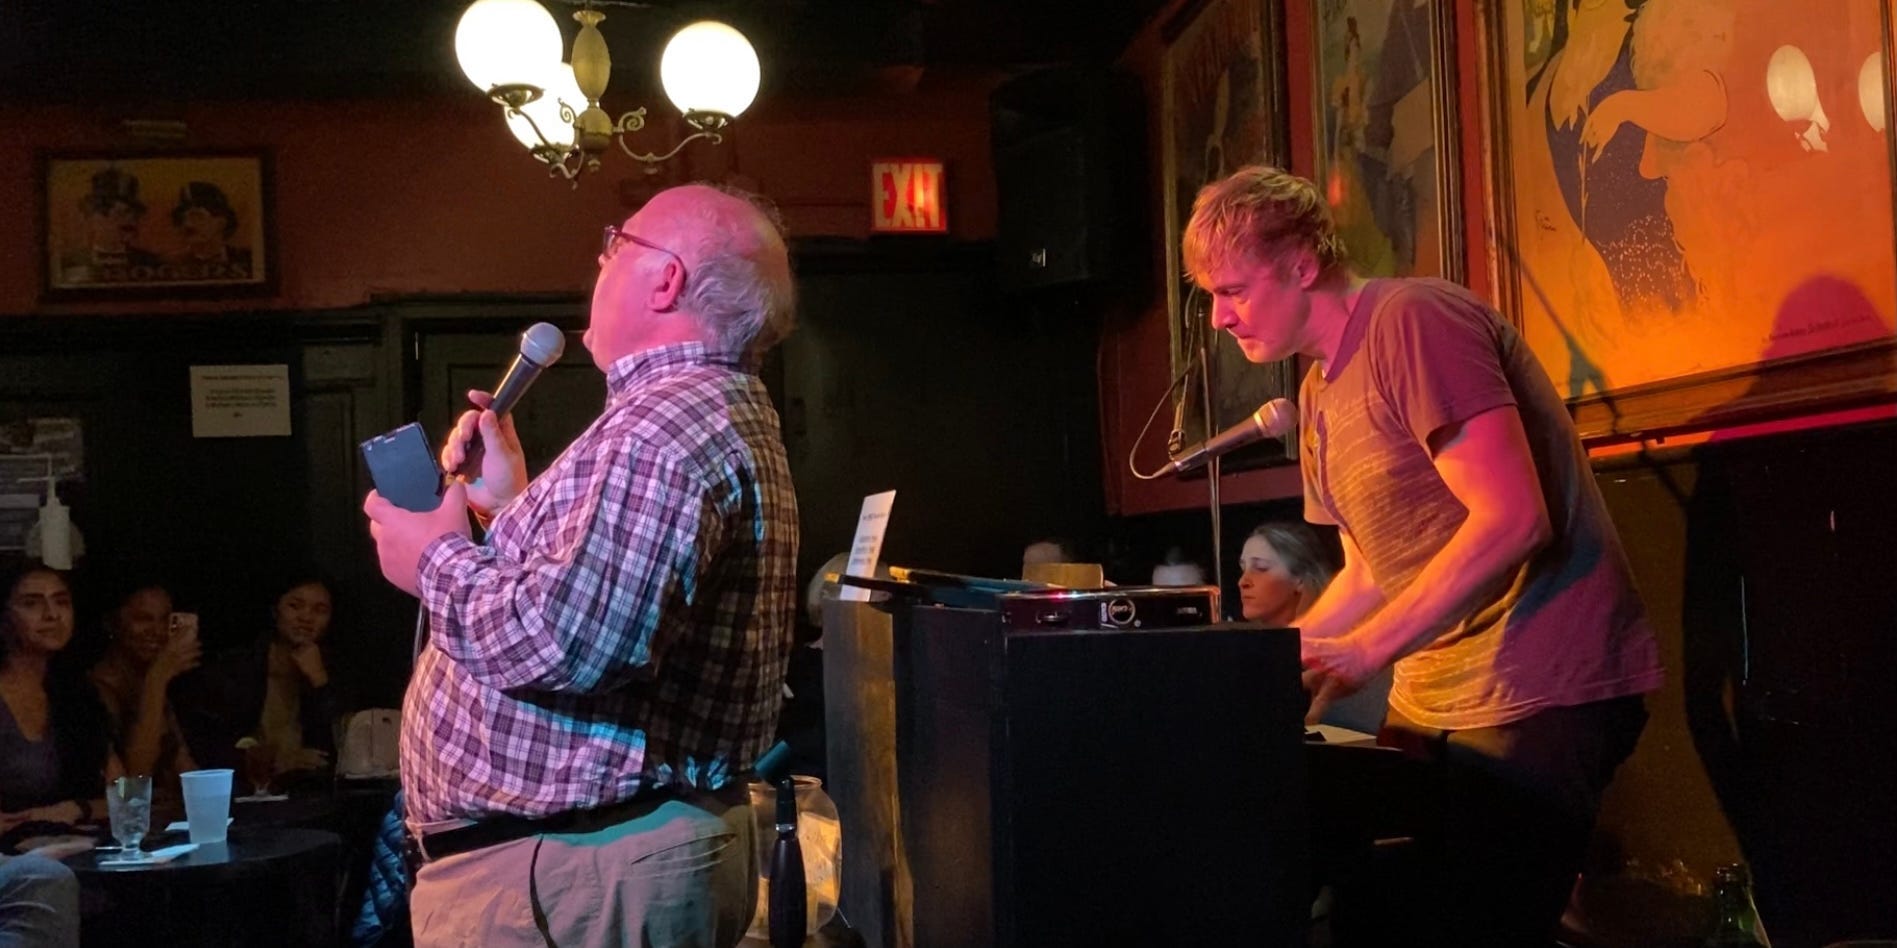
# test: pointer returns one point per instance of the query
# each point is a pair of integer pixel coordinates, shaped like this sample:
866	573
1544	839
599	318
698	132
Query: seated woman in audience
1285	568
134	678
55	756
1177	570
276	691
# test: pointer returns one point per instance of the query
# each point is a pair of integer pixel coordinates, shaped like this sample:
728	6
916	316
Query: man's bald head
738	282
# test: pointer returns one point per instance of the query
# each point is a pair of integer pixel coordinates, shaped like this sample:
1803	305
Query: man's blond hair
1256	215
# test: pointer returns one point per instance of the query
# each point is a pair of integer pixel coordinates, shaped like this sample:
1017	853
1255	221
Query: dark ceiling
54	50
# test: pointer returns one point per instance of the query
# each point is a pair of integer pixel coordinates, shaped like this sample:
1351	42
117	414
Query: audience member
821	589
1176	570
55	755
143	656
276	691
39	903
1284	567
1045	551
800	721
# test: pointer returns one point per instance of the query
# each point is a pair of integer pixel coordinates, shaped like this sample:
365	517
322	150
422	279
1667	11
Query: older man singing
601	673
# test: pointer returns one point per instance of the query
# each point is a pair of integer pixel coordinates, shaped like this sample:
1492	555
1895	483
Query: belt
494	830
429	847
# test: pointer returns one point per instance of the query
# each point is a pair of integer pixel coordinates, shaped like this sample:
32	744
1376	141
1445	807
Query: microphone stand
1213	466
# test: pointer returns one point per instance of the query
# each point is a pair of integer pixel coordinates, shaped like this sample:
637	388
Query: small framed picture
125	226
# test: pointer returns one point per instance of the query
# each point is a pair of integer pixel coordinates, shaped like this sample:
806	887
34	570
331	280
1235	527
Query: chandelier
510	50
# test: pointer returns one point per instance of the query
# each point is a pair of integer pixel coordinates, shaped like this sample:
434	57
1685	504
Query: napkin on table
182	826
156	857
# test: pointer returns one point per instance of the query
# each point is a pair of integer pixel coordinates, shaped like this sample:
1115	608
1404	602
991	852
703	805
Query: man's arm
583	610
1486	463
1352	595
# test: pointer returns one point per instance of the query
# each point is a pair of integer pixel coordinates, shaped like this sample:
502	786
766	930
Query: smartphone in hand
403	468
184	624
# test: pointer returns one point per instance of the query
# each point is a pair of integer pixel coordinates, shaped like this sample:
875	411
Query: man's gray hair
747	304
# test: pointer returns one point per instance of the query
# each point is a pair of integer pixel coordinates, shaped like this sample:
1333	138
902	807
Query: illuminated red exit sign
906	197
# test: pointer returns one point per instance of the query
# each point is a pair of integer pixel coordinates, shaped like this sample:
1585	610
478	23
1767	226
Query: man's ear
1306	269
671	286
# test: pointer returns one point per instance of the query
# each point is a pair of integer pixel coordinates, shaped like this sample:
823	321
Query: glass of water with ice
128	802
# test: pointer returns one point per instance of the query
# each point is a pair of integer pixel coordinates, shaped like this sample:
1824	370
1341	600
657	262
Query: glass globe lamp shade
709	67
557	85
505	42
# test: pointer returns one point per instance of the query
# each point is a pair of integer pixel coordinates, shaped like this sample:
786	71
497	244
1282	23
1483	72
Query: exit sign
906	196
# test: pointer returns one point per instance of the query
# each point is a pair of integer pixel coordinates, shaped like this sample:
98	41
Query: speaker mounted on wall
1069	145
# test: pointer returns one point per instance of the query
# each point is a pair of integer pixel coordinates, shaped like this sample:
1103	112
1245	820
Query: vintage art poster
124	226
1386	151
1223	110
1690	187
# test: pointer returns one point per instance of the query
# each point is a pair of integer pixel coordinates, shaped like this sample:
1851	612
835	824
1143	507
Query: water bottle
787	907
1738	923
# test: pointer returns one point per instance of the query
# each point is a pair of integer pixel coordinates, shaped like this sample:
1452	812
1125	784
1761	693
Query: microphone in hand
1273	419
540	346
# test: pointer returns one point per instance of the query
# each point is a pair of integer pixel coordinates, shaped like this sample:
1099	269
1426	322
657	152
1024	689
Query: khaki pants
671	872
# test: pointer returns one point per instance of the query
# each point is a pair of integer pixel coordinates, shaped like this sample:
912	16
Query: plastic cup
207	804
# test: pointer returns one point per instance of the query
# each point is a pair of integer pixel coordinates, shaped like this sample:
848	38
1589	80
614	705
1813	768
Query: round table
266	885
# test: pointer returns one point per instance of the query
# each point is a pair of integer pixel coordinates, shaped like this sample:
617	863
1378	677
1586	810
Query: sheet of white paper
870	525
240	401
1344	736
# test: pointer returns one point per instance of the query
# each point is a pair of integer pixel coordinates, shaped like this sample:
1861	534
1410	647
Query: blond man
1479	559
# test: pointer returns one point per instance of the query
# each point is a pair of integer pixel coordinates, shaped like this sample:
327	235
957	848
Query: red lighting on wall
907	196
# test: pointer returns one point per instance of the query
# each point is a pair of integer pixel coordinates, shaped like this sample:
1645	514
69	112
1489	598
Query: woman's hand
67	812
303	758
59	847
1604	122
181	654
308	659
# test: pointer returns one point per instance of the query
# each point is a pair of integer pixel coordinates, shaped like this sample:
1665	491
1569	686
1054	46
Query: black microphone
541	345
1273	419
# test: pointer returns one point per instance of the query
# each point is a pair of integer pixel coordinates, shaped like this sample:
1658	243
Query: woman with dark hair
276	692
55	756
145	654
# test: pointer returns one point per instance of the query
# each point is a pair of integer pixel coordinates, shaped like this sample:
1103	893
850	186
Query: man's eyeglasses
610	240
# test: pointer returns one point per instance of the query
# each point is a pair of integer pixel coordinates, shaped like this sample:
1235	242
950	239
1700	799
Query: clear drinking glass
128	803
260	759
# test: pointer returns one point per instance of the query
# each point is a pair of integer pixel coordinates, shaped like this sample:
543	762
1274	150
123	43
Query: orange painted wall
433	196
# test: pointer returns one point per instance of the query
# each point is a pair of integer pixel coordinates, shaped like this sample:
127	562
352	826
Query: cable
1140	439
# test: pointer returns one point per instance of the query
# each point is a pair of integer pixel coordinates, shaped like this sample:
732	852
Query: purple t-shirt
1568	628
29	770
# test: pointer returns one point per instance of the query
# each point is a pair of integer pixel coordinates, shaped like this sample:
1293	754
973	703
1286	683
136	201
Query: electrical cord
1175	442
1164	397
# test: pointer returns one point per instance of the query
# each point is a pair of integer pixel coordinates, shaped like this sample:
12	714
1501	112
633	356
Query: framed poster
156	225
1693	204
1223	90
1387	156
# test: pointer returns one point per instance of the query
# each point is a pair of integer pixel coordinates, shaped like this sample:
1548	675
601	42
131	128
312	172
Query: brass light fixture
510	50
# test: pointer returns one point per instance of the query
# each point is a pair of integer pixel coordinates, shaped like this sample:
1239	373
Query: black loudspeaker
1068	145
1088	787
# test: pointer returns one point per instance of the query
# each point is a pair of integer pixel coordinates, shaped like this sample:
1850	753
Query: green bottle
1738	925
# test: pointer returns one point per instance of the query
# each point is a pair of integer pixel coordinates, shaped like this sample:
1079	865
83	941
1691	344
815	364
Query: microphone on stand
1273	419
541	345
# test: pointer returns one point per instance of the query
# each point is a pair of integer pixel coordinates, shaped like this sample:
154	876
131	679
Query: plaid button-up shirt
628	623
